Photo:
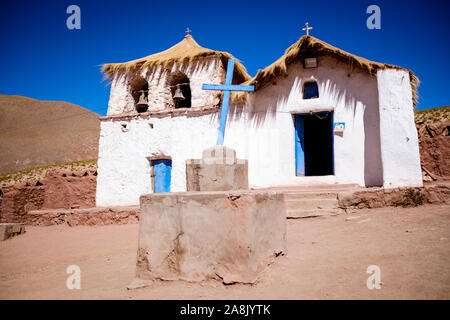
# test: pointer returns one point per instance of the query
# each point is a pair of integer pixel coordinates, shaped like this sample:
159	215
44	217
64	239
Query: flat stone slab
230	236
435	193
86	217
9	230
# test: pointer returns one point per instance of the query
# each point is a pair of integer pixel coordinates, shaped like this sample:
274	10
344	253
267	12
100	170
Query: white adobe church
318	115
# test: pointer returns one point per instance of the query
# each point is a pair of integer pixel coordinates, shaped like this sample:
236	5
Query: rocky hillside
432	115
36	133
433	126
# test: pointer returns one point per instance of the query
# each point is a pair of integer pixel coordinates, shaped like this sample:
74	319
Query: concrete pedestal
230	236
218	170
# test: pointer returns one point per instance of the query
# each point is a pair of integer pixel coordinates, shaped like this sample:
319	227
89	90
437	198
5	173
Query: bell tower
169	80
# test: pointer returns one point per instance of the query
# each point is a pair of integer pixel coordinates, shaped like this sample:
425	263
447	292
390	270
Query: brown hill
36	133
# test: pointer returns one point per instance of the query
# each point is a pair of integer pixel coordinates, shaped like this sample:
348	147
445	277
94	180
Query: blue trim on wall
299	145
300	156
162	170
332	142
229	87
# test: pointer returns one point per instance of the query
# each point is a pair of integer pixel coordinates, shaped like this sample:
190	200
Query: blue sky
42	59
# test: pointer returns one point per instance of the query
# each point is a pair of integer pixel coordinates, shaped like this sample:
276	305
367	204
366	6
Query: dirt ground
327	259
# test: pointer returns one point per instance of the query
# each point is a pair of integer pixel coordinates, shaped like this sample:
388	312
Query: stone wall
57	190
434	142
83	217
380	197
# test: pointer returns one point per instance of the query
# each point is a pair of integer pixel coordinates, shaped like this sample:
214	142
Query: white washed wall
123	167
399	140
270	148
263	132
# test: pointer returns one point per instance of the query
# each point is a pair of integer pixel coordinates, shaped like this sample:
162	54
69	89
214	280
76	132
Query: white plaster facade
379	145
399	141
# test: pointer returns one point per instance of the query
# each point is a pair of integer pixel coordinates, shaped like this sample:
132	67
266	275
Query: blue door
299	145
162	170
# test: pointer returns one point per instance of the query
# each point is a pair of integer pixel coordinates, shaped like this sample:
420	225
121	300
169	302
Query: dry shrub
411	198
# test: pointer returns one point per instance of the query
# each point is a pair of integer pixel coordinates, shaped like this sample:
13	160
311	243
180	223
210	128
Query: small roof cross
188	31
307	29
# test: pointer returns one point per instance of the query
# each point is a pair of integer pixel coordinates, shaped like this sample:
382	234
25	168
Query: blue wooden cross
227	88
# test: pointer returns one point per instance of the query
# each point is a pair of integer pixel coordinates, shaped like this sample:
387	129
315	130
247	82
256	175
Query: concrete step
302	213
305	201
314	188
310	195
311	204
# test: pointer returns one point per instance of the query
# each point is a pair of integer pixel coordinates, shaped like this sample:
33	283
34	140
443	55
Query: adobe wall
59	189
262	131
434	145
124	167
268	121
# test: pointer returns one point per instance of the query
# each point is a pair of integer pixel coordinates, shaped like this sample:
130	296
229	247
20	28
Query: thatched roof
185	51
308	45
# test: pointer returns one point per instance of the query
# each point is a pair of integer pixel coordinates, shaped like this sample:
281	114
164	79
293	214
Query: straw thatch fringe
308	46
188	50
183	52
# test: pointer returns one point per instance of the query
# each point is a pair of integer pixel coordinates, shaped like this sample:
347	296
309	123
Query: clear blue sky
42	59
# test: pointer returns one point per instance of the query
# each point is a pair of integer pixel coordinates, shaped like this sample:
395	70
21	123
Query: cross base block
218	170
228	236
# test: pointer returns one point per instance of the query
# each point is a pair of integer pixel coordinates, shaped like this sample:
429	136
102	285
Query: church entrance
314	144
162	170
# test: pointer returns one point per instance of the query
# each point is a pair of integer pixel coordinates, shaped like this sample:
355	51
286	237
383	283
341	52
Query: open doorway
314	144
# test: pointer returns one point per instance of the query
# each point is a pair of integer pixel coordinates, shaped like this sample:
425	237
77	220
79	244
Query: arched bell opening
139	91
180	89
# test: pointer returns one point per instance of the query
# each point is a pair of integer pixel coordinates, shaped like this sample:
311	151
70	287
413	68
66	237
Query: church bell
142	104
142	100
178	95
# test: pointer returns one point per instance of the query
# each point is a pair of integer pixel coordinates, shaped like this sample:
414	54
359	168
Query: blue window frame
162	175
310	90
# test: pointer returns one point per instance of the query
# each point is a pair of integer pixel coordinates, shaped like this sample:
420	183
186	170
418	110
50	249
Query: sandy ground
327	259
